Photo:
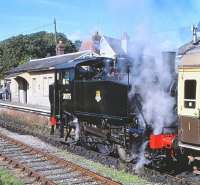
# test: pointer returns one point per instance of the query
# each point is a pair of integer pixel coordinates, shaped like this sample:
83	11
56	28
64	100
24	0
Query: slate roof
74	63
115	44
47	63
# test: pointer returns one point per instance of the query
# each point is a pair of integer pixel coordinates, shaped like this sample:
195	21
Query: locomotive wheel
125	155
105	149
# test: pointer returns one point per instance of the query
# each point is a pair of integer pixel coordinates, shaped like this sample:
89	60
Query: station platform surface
25	106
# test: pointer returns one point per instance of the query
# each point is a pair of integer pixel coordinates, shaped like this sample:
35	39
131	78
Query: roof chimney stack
124	42
60	48
194	32
96	38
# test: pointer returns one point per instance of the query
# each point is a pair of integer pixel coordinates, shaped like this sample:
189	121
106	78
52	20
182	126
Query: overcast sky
168	21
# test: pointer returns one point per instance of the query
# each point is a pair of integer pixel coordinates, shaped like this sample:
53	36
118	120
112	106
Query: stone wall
25	117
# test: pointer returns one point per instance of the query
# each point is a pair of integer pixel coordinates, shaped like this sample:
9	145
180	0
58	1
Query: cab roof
74	63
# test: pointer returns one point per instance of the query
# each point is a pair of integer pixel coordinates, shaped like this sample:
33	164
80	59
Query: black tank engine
90	104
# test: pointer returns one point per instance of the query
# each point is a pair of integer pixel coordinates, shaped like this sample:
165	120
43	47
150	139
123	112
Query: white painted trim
188	146
108	44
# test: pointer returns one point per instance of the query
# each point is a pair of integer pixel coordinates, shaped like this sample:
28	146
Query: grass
117	175
6	178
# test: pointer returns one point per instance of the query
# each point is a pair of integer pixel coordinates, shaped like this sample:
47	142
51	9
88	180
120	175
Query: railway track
46	168
152	175
149	174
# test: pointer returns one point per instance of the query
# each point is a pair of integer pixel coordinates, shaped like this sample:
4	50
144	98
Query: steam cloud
77	128
151	78
141	160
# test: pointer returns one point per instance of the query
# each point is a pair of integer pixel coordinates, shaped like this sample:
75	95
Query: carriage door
190	119
67	90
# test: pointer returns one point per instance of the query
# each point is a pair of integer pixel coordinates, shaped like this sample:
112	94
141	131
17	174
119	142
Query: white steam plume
77	128
151	78
141	159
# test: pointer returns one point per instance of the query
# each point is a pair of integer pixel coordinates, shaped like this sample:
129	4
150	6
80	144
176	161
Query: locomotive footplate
196	170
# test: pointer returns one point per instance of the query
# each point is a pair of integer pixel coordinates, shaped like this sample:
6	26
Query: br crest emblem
98	96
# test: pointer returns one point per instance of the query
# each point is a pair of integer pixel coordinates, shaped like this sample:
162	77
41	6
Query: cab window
190	94
67	76
64	77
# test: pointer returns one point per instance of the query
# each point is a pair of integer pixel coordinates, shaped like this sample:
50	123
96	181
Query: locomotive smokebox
161	141
168	58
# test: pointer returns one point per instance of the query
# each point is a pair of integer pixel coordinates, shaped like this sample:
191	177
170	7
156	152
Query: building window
190	94
45	86
34	85
46	82
50	81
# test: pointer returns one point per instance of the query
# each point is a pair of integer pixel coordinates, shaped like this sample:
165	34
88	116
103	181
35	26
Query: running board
189	146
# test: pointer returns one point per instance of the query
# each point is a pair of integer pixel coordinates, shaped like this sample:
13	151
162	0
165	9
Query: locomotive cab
91	89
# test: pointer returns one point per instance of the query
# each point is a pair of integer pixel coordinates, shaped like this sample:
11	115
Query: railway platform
43	110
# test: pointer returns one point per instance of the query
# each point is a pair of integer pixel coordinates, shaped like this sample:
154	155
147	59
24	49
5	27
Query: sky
166	21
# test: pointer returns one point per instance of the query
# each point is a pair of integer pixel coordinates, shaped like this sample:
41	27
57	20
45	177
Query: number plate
67	96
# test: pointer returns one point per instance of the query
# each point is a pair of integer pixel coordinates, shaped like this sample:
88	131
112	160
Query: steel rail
148	174
33	162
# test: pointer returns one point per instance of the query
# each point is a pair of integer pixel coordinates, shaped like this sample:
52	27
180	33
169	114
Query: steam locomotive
91	104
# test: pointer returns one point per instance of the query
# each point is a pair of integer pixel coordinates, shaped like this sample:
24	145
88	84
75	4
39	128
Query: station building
29	83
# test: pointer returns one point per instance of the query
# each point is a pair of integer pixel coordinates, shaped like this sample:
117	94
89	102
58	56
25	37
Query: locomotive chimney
169	60
60	48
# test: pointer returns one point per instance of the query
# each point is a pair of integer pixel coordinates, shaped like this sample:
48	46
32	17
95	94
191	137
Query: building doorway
22	90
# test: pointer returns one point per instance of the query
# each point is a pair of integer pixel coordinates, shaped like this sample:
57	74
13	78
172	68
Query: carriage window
190	94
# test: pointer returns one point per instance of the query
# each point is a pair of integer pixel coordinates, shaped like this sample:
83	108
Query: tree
20	49
77	44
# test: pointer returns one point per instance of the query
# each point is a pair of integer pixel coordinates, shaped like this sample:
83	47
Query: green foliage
77	44
20	49
7	179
